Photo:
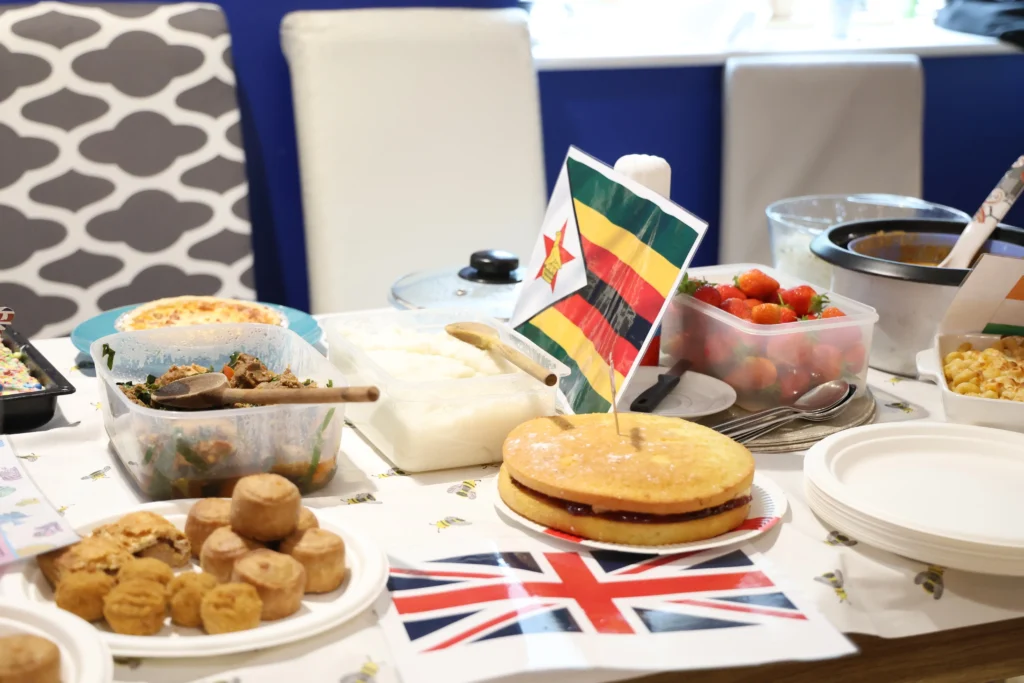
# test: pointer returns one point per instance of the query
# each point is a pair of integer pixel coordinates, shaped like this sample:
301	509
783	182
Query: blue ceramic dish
101	325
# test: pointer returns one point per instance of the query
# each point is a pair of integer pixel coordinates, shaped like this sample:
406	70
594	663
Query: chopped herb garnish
144	396
318	445
150	379
234	358
148	456
211	369
307	382
330	383
191	457
109	353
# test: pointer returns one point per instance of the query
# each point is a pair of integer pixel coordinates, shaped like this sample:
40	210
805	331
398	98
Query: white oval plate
367	575
84	657
957	482
768	506
696	395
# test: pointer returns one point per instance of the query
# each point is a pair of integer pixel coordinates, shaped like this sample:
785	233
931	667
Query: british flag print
459	601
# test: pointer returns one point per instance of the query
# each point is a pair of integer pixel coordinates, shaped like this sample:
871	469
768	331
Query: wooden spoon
210	390
487	339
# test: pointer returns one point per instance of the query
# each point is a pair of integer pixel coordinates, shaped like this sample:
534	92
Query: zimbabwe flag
610	255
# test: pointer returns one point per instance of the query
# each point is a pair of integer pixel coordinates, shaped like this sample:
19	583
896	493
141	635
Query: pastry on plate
185	594
82	593
307	520
89	554
147	534
231	607
279	579
265	507
146	568
26	658
221	550
661	481
136	607
322	554
205	517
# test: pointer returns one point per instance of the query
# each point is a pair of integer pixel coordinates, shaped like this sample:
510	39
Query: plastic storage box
22	412
799	355
421	426
179	454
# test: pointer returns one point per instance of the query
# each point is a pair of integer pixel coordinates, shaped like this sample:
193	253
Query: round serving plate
696	395
105	324
367	573
767	508
84	656
959	484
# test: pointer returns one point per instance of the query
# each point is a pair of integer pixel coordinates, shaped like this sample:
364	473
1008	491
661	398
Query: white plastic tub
422	425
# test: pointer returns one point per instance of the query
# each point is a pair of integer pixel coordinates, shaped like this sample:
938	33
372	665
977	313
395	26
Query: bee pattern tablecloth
447	514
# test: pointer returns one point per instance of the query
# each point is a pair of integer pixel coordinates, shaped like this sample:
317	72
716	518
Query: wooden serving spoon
486	338
210	390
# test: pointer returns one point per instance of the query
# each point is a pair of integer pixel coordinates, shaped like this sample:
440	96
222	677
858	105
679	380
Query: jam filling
582	510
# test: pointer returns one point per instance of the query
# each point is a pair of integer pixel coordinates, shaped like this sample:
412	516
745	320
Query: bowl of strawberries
770	336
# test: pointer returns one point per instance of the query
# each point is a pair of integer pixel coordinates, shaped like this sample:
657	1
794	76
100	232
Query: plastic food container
192	454
22	412
795	222
439	424
971	410
799	355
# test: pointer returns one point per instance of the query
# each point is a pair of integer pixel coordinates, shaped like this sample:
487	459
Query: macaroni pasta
996	372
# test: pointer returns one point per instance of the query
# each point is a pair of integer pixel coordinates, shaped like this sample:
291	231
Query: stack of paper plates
946	494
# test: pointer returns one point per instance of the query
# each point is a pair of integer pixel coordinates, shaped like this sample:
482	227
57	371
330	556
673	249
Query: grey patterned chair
122	173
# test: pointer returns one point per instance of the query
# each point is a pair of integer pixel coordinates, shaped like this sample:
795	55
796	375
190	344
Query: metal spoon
993	210
210	390
820	398
822	416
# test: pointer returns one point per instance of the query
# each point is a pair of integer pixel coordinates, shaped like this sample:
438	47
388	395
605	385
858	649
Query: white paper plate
84	657
957	483
696	395
367	575
768	506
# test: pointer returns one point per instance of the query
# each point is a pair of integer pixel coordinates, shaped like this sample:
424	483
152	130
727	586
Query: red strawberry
793	383
802	299
688	286
720	351
708	295
730	292
827	362
752	303
787	315
810	316
756	284
736	307
789	349
832	312
855	357
752	374
767	314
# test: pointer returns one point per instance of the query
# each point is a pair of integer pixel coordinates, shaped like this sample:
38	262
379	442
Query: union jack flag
474	598
6	317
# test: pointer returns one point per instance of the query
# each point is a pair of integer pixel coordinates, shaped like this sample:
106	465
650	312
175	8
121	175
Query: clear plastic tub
179	454
794	223
422	425
802	354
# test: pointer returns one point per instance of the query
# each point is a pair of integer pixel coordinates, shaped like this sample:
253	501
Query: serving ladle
985	220
211	390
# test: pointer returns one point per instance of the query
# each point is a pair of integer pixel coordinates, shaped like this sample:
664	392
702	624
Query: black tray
22	412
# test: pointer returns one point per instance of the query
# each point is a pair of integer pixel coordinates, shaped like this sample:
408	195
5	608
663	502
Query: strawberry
793	383
752	303
789	349
827	362
832	312
720	351
688	286
756	284
810	316
787	315
736	307
854	357
767	314
802	299
730	292
708	295
752	374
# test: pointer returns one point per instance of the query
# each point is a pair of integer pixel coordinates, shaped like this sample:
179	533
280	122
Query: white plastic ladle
987	218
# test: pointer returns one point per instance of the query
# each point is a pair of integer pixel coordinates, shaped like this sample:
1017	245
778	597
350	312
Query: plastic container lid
489	285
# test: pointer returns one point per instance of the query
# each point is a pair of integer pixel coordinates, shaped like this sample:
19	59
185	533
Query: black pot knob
493	266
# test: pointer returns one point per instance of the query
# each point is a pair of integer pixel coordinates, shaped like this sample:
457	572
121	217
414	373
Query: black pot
910	299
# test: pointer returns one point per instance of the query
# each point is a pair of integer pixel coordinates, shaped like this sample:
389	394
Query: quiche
196	310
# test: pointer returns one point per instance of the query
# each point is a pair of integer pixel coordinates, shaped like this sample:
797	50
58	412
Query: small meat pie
221	550
205	517
265	507
279	579
322	554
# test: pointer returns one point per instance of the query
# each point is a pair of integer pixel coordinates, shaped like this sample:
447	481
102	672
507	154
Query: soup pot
887	264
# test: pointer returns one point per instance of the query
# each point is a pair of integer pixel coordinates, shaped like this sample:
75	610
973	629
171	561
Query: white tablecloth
73	465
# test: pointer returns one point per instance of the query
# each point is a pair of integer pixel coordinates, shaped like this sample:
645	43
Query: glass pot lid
489	284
